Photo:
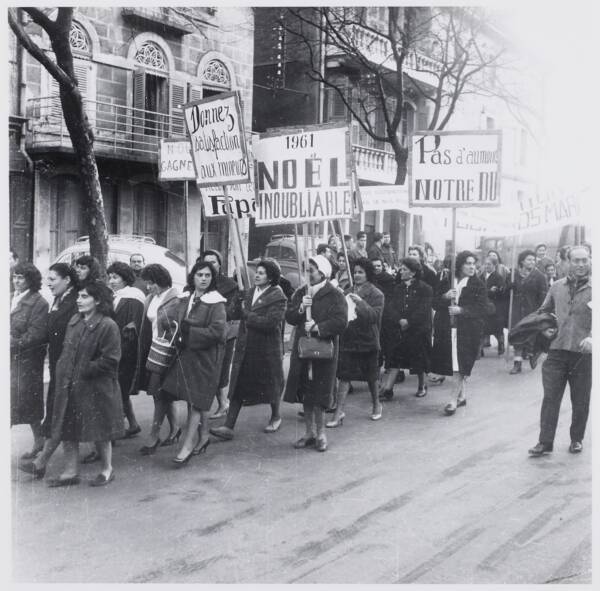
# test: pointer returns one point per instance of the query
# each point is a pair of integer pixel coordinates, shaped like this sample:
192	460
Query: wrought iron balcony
119	131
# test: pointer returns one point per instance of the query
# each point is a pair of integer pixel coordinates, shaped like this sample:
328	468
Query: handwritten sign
455	169
382	197
175	161
304	176
218	142
550	209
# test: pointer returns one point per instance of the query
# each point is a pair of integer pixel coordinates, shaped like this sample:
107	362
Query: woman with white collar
195	372
312	382
129	309
257	369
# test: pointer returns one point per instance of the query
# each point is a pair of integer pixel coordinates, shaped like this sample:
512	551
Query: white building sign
455	169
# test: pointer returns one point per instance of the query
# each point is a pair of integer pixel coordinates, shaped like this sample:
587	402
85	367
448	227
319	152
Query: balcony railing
377	49
374	165
118	130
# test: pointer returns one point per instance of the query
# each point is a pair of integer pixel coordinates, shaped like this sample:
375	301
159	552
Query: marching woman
408	320
28	325
129	308
359	343
459	355
312	381
257	370
194	374
529	291
495	285
61	281
157	321
88	404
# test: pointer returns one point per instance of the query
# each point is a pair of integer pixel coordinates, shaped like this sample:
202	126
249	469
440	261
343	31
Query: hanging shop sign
218	140
455	168
175	161
304	176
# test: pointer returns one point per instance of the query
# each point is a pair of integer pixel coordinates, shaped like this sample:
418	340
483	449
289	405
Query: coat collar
90	324
272	294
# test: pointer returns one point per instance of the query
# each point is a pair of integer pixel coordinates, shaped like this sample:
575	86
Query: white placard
382	197
455	168
175	161
303	177
218	140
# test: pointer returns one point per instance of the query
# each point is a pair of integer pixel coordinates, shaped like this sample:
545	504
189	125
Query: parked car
122	246
282	248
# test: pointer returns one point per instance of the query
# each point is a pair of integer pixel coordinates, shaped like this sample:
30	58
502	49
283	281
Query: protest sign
218	142
381	197
549	209
304	176
175	161
455	169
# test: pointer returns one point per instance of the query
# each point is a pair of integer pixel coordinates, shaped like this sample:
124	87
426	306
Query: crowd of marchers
361	316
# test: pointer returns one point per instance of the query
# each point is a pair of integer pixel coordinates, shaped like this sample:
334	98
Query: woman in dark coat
312	382
359	343
407	317
61	281
195	372
28	326
157	321
529	290
88	405
257	370
469	313
428	274
497	292
129	309
228	288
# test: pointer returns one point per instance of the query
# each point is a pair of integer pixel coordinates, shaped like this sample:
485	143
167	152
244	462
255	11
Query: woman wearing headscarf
467	304
61	281
195	372
257	369
88	405
129	308
28	326
497	293
157	321
407	317
312	381
529	289
359	343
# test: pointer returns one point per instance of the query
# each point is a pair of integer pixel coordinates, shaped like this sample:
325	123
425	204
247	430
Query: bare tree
73	108
438	54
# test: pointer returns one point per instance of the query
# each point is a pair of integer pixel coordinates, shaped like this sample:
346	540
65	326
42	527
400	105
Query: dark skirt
359	366
226	367
410	352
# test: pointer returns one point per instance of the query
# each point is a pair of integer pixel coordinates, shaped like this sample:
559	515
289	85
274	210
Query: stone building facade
135	67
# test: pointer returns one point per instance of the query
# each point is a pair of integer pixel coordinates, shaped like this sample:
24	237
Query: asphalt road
414	498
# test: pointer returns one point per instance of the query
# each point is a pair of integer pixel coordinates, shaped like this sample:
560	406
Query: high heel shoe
437	379
202	449
421	392
148	450
182	461
386	394
172	439
338	423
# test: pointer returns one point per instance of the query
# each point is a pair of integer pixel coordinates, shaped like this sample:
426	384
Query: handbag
315	348
161	354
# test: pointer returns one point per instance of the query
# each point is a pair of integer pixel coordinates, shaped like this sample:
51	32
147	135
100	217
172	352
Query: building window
151	55
79	40
216	74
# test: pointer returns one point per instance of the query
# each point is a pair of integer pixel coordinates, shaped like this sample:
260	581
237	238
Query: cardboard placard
304	176
455	168
175	161
218	140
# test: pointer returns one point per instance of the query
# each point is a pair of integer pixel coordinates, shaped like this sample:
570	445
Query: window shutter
194	93
422	121
139	98
81	69
176	99
336	108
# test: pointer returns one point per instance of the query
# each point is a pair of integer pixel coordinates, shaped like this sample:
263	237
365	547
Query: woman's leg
389	379
49	448
105	450
275	416
517	361
377	406
71	452
232	414
319	415
191	430
309	421
339	414
38	436
202	429
129	414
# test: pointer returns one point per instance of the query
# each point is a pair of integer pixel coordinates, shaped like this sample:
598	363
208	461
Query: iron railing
118	130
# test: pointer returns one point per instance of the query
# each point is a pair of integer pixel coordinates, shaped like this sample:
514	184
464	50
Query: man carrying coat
570	355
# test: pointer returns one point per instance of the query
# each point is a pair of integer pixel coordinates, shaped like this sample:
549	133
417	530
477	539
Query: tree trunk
397	218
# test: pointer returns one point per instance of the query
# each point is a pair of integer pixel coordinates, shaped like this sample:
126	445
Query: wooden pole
236	255
345	251
513	264
185	217
298	256
453	264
